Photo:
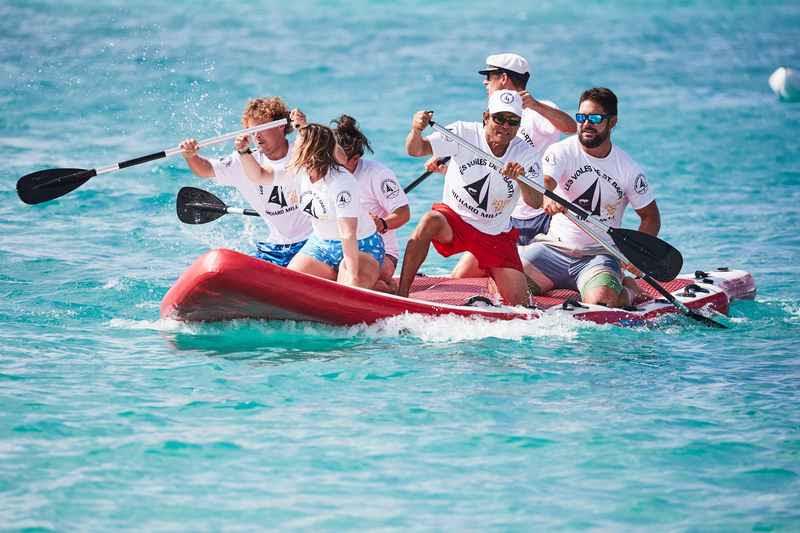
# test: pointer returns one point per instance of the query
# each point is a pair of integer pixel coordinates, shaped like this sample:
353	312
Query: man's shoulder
565	145
625	159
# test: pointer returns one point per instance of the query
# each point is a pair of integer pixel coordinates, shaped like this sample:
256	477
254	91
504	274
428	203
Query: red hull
225	285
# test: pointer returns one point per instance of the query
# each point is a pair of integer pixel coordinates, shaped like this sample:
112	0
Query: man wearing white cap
542	125
478	197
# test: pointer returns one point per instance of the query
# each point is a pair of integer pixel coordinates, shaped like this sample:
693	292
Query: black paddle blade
52	183
196	206
647	253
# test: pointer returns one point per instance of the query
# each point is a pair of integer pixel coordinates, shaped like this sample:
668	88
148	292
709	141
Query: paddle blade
52	183
196	206
647	253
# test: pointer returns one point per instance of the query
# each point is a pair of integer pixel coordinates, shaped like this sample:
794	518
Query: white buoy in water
785	82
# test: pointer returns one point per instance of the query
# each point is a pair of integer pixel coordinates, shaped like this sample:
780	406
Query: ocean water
113	419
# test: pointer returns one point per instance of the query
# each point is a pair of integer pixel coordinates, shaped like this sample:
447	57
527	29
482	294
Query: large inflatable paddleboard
224	285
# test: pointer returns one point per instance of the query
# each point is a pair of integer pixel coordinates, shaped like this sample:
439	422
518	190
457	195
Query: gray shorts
530	227
565	271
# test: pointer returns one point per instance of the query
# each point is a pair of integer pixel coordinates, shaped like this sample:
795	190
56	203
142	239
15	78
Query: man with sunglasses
601	178
542	124
475	213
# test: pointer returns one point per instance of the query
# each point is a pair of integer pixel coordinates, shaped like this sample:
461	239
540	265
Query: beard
599	138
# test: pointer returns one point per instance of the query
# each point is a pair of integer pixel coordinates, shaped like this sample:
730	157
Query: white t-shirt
381	194
538	133
473	186
337	195
603	187
277	204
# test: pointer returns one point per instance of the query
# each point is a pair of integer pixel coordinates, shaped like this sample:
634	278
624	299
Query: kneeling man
601	178
478	197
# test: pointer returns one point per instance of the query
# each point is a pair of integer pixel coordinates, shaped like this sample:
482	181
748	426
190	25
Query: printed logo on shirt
309	209
226	161
390	188
640	184
343	199
474	190
587	200
277	196
312	206
591	171
550	158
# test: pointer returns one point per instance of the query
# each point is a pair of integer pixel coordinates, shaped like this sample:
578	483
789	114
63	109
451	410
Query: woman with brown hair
344	245
381	194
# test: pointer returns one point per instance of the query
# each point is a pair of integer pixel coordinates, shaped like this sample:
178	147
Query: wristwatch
245	151
385	226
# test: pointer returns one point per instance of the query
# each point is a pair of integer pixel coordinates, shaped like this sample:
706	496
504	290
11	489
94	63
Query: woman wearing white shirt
345	245
381	194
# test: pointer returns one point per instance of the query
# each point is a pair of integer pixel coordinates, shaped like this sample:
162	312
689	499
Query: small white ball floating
785	82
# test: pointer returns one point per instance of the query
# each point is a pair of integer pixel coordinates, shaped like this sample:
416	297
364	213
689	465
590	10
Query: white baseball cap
512	62
505	101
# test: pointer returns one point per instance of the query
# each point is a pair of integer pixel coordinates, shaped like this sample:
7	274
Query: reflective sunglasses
593	118
511	121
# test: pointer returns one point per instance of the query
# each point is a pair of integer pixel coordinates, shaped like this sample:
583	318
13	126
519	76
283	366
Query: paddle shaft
411	186
582	219
224	210
172	151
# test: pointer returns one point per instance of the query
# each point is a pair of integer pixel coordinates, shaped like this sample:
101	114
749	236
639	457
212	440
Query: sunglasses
511	121
593	118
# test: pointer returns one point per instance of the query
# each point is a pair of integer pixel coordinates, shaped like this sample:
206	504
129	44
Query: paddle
196	206
654	257
410	187
45	185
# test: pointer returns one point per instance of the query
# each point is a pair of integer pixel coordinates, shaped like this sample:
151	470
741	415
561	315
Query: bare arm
562	121
348	227
415	145
255	172
393	220
514	170
650	219
530	196
200	166
551	206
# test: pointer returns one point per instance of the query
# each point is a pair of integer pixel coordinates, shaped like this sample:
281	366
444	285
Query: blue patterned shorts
330	252
279	254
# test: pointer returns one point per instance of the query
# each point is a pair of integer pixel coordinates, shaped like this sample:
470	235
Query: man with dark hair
542	125
478	197
601	178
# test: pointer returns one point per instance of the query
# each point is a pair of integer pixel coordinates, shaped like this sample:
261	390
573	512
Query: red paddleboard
225	285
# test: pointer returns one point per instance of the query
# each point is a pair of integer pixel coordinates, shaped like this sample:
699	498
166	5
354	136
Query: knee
604	289
429	225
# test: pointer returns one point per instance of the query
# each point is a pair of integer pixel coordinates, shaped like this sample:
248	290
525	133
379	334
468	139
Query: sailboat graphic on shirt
474	190
587	199
277	197
309	208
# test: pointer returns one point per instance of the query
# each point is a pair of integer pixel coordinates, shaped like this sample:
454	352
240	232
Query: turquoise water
113	419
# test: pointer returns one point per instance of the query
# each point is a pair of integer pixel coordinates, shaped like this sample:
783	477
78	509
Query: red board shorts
491	251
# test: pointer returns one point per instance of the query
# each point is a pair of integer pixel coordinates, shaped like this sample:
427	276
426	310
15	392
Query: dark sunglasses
593	118
500	120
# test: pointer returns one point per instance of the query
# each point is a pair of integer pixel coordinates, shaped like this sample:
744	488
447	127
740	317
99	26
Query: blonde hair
314	150
266	110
